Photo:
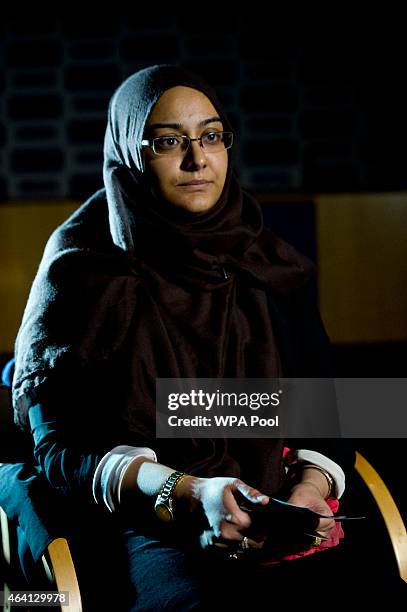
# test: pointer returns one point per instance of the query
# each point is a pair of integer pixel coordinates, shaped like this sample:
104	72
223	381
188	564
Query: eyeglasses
211	142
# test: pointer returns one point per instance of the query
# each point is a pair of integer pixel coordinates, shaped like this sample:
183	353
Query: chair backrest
8	373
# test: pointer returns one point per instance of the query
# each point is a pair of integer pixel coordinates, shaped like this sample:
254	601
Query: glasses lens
217	141
167	144
212	142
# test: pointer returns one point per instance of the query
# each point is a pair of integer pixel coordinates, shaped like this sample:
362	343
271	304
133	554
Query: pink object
335	537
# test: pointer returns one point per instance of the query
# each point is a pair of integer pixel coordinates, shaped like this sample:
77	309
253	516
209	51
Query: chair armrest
5	536
57	562
59	565
388	509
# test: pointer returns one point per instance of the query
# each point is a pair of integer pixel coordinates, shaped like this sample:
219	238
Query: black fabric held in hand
288	528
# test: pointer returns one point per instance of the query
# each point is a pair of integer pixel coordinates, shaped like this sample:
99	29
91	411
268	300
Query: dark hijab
156	291
201	244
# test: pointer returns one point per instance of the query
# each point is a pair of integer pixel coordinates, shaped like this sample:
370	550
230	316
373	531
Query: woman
168	272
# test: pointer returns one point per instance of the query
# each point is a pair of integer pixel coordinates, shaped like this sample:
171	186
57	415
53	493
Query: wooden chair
58	570
388	510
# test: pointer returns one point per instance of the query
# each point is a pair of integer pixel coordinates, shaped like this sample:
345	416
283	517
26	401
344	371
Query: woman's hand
217	499
308	495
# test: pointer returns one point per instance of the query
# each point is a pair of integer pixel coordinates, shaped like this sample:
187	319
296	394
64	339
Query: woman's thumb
234	513
252	494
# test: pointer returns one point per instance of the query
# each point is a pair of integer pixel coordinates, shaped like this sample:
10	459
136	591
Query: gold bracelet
329	479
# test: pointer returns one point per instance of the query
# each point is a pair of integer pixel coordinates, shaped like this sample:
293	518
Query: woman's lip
195	185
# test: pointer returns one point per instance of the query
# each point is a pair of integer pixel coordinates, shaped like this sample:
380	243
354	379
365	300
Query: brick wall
308	118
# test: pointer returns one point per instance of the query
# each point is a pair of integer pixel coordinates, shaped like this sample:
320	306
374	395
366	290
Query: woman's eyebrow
179	126
210	120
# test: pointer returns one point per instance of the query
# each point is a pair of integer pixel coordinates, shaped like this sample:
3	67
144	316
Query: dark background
327	115
311	117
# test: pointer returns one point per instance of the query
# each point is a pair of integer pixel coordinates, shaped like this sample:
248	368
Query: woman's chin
195	204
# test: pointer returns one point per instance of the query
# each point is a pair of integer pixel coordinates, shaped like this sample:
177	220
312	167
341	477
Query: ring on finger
317	541
244	543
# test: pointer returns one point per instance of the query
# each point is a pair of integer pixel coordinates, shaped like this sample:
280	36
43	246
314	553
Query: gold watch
164	504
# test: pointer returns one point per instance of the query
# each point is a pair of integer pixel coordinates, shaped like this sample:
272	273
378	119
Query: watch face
163	512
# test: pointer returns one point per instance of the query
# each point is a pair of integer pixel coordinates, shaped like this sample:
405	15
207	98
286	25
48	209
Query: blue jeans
162	577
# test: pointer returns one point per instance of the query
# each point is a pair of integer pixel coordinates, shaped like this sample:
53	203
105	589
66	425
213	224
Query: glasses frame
150	142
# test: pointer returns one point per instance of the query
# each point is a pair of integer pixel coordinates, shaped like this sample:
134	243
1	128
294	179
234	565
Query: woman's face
183	110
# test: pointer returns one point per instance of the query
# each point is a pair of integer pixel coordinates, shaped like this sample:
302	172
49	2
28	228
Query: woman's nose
195	155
